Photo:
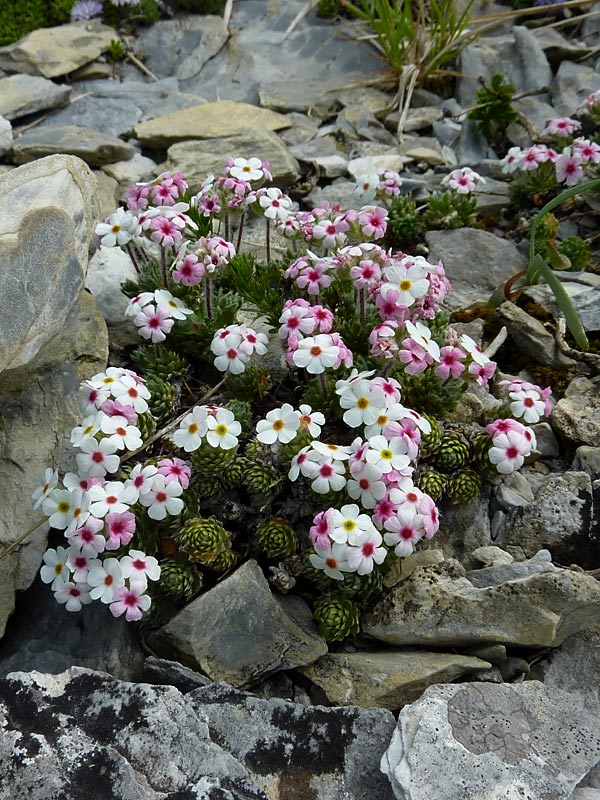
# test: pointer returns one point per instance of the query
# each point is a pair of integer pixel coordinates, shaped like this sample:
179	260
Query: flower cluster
529	401
512	442
154	313
213	424
94	509
569	165
463	181
235	345
381	186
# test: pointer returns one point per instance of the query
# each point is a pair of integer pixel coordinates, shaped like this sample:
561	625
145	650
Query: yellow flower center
382	419
349	525
278	425
221	429
58	568
362	402
63	506
405	285
387	454
193	428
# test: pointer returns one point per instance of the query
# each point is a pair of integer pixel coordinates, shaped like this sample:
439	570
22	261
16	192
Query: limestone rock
587	459
530	336
570	86
6	136
291	751
367	165
39	404
109	267
584	290
46	225
137	168
84	731
577	415
208	121
560	519
483	740
387	680
26	94
239	632
582	649
440	606
92	147
52	52
107	194
476	262
197	159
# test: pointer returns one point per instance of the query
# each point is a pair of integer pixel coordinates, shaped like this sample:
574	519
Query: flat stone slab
483	740
240	632
46	225
52	52
197	159
388	679
92	147
208	121
26	94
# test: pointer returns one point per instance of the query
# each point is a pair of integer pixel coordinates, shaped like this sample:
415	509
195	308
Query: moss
198	6
19	17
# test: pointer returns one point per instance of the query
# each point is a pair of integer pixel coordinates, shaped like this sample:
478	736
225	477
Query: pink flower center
326	471
130	600
138	481
368	549
139	564
97	456
161	497
154	322
315	350
528	402
111	500
364	484
512	452
80	562
231	353
406	533
74	592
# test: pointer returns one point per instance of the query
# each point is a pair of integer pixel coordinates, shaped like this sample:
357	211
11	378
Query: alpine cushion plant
323	452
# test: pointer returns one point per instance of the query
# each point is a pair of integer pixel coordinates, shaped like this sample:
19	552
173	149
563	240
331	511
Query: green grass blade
563	300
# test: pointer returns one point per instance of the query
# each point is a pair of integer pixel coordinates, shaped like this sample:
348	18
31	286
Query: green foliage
533	186
449	210
164	399
259	284
494	111
329	8
163	363
115	51
577	251
146	12
277	537
19	17
403	223
337	617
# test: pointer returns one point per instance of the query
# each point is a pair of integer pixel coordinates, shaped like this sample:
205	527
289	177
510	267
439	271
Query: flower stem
134	261
207	297
361	296
238	243
164	267
268	221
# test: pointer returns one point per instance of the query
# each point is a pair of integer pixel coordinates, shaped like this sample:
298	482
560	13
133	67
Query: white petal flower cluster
235	345
217	426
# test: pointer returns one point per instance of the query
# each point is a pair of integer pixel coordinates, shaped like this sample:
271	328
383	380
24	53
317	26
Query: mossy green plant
20	17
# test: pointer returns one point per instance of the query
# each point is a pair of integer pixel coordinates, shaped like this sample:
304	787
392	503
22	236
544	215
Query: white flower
138	302
367	486
422	336
163	498
311	421
191	430
303	465
528	405
92	397
280	425
80	510
230	355
58	506
74	595
50	483
131	393
366	187
55	569
138	567
366	551
223	430
473	349
332	561
112	498
142	478
107	379
387	455
246	169
508	451
392	413
97	458
105	578
316	353
176	307
118	228
275	204
406	528
120	433
363	403
407	279
87	430
348	522
345	385
331	475
335	451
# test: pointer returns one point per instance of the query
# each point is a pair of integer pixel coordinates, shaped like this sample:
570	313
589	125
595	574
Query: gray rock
559	519
500	573
47	222
530	336
358	122
302	129
386	680
487	740
492	556
107	194
463	528
239	632
339	191
52	52
513	492
570	86
133	170
161	672
577	415
113	107
546	442
84	731
39	404
198	159
26	94
584	290
323	154
208	121
92	147
367	165
587	459
312	753
581	649
558	48
440	607
463	252
6	136
109	267
472	146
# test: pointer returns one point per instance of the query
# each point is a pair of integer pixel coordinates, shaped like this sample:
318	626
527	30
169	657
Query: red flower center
161	497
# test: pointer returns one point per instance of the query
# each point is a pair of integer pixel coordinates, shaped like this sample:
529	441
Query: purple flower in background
86	9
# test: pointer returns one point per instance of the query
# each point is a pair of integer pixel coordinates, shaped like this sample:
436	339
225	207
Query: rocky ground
487	643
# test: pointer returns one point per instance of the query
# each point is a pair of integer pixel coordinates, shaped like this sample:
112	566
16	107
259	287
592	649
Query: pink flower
373	221
430	516
323	317
166	231
130	602
450	358
563	126
322	527
331	234
383	511
120	529
190	271
315	277
165	193
390	388
137	197
88	538
416	358
405	530
175	470
153	323
568	168
296	318
482	372
508	451
113	408
390	307
586	150
463	181
532	157
504	426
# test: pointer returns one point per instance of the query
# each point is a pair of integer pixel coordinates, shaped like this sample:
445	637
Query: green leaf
563	300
